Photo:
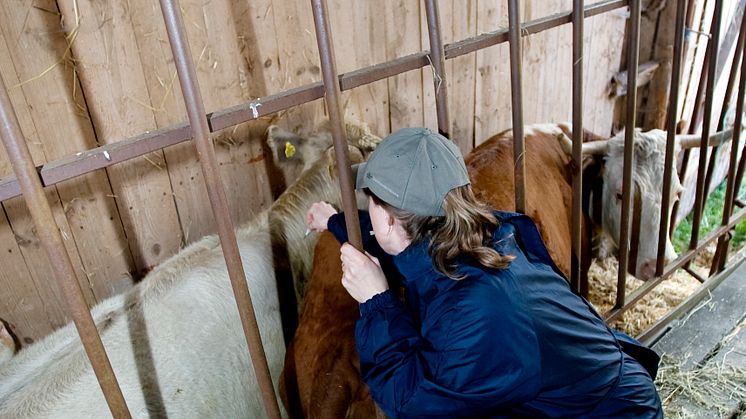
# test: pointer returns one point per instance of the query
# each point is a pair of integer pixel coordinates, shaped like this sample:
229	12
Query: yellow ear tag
289	149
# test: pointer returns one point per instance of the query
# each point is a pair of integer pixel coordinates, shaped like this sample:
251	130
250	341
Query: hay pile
714	387
602	279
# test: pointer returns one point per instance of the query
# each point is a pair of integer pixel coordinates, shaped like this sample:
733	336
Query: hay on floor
602	281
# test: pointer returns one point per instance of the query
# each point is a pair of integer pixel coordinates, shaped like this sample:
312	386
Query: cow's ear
286	146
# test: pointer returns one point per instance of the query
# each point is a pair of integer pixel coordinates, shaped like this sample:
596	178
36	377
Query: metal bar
636	224
709	95
206	152
257	108
693	121
654	332
672	267
331	84
577	146
696	276
728	95
489	39
629	147
438	62
51	239
730	189
516	93
673	106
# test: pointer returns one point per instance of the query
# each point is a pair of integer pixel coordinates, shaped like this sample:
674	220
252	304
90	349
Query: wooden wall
82	73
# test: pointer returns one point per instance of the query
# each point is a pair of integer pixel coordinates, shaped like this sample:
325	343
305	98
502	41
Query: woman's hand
318	215
362	275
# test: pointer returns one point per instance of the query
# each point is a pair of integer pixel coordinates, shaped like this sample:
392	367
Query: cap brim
357	169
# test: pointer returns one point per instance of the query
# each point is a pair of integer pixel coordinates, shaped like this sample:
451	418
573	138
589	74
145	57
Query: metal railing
30	180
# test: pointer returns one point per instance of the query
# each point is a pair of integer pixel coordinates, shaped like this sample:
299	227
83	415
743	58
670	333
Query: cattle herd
175	340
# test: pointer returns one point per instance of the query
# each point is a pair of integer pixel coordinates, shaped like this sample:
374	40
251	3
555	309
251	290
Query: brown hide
548	186
321	376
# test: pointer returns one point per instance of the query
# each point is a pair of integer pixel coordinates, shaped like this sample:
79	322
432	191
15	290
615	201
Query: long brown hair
465	230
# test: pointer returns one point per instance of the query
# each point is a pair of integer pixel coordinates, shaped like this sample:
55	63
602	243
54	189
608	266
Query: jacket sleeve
336	225
486	366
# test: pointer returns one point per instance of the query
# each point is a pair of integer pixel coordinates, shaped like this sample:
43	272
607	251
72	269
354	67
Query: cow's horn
594	147
690	141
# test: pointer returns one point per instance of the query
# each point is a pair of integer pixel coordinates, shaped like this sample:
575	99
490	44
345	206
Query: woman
489	326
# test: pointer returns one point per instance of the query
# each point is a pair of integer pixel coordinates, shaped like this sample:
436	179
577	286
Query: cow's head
647	197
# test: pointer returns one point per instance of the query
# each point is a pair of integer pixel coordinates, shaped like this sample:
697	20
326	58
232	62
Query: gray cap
413	169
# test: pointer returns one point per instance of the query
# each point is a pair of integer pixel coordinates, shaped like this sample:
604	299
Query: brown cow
321	377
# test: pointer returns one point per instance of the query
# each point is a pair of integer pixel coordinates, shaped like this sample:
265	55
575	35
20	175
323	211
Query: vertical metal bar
437	58
331	84
728	98
709	95
629	147
694	118
516	92
49	235
206	152
730	190
577	143
673	106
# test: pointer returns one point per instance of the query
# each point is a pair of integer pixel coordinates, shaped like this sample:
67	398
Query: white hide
175	340
647	174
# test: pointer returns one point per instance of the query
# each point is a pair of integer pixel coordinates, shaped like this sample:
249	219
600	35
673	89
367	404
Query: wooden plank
603	51
298	60
220	69
461	76
696	335
59	112
21	304
404	90
492	98
35	256
113	82
356	31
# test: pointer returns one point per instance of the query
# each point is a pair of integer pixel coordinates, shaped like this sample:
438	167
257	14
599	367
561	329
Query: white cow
175	340
647	178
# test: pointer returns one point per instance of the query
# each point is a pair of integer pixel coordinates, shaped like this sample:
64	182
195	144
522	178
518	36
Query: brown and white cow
175	340
321	376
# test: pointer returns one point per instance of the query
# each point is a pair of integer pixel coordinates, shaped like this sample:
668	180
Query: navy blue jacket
514	342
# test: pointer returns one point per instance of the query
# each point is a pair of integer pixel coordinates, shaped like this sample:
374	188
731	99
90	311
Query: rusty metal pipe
438	60
331	84
629	147
51	240
727	102
516	93
673	106
709	95
576	282
730	189
206	152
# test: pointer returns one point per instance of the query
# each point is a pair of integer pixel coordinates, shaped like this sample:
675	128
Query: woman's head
413	169
419	188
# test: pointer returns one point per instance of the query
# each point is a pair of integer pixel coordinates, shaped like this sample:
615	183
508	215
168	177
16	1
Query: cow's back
175	342
548	183
321	376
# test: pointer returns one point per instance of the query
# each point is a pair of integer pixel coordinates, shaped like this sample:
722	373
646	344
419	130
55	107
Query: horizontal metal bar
94	159
672	267
489	39
120	151
654	332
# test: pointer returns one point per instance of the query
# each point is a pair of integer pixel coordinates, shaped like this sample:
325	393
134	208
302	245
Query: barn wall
82	73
